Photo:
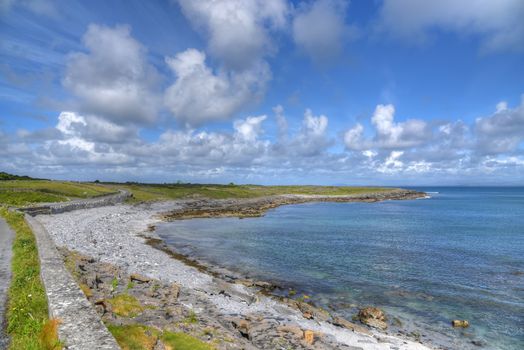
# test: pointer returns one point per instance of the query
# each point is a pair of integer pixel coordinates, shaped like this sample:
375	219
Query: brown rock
242	326
139	278
342	322
175	290
307	315
373	317
309	337
460	323
296	331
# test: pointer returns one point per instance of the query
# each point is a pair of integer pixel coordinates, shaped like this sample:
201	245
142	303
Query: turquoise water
457	255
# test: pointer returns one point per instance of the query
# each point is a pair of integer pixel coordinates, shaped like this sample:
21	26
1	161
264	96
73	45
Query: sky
330	92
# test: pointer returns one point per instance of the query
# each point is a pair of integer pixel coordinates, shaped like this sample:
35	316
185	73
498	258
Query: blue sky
321	92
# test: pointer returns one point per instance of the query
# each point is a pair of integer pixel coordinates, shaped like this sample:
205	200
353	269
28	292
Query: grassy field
146	192
28	324
26	192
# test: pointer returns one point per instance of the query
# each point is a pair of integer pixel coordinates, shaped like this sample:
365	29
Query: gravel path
112	235
6	241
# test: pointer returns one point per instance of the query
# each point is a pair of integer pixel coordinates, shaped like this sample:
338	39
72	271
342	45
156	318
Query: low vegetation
28	324
140	337
27	192
20	191
151	192
125	305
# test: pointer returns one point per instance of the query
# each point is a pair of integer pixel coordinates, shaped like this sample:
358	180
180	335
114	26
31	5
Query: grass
139	337
26	192
191	318
151	192
23	198
134	337
183	341
28	324
125	305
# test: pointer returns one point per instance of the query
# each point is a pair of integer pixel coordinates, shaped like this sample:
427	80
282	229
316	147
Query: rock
373	317
478	342
242	326
139	278
460	323
341	322
309	337
307	315
295	330
175	291
264	285
245	282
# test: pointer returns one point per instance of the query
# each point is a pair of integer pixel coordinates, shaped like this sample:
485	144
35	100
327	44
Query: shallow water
457	255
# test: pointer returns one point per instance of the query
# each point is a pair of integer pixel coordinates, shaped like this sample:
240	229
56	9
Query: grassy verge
28	324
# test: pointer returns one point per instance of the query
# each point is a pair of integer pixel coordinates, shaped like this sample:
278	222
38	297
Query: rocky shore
255	207
167	293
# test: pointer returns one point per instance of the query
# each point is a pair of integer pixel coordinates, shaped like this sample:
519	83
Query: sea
456	254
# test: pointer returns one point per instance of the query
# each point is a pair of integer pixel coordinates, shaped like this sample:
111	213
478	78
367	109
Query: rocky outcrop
373	317
254	207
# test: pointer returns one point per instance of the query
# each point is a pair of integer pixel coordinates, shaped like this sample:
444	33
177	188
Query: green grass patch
125	305
151	192
140	337
134	337
23	198
28	324
183	341
60	188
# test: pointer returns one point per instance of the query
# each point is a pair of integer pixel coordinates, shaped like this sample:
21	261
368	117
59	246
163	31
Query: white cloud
113	79
312	139
353	138
250	128
498	23
199	95
392	163
238	30
320	30
388	133
502	131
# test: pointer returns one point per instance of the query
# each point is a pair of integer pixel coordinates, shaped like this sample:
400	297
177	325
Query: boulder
139	278
460	323
373	317
309	337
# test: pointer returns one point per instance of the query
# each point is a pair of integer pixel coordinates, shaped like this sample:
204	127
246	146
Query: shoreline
226	295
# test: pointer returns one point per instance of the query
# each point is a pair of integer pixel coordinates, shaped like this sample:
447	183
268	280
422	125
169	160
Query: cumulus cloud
498	23
388	133
83	146
113	79
502	131
199	95
320	30
312	139
238	31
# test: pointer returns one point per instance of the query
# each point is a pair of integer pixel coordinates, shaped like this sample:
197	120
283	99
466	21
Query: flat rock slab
80	326
6	243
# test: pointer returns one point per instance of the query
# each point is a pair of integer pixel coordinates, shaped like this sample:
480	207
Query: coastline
141	251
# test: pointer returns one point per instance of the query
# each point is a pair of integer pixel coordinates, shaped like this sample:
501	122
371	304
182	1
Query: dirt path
6	241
